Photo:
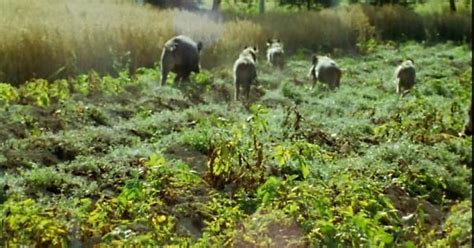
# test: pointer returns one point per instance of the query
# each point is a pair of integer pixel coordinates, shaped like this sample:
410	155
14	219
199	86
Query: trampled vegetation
121	160
94	152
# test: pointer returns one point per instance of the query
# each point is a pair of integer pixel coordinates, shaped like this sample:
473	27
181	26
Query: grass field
122	161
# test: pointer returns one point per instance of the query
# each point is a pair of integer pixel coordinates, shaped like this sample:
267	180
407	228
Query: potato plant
122	161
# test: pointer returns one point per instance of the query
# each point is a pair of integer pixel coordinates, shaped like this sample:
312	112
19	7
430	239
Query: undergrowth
124	161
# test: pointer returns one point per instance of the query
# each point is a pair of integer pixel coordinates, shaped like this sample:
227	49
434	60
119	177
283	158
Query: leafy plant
8	94
121	161
42	228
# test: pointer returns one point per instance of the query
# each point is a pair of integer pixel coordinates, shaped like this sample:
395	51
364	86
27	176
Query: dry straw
56	38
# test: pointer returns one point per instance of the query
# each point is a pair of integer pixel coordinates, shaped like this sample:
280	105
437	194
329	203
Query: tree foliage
184	4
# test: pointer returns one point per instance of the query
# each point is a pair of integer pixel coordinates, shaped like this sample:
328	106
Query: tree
309	3
383	2
452	5
182	4
261	7
216	4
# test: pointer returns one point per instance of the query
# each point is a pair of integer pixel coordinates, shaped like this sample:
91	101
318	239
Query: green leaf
304	167
156	160
409	244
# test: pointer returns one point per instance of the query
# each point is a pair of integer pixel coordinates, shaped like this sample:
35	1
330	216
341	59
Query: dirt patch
317	136
191	225
13	130
220	92
275	102
18	121
50	150
270	230
193	158
38	150
158	104
407	207
256	92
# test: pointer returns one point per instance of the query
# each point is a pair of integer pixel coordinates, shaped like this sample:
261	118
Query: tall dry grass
394	22
58	38
339	28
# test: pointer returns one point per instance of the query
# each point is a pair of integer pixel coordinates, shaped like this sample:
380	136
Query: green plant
30	223
8	94
36	91
238	154
122	161
457	226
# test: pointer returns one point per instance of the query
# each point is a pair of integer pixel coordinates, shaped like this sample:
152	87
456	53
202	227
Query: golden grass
325	30
58	38
43	38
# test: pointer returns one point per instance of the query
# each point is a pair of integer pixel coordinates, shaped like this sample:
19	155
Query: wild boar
245	71
181	56
325	70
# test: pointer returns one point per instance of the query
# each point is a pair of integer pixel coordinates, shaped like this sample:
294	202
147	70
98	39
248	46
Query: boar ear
245	47
410	59
199	46
172	47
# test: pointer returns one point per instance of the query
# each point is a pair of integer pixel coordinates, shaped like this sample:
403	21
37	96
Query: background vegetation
56	39
108	157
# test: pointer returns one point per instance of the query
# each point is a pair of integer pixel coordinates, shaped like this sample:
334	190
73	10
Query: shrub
31	224
449	26
458	226
8	94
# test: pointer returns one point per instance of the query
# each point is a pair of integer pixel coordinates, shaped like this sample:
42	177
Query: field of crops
122	161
